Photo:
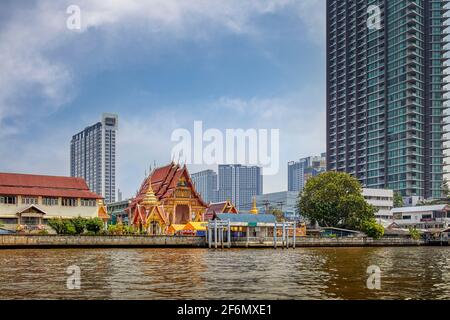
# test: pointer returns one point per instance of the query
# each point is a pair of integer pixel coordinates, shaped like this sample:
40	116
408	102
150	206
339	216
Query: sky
160	65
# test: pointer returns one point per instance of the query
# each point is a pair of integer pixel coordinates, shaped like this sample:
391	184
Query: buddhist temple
220	207
167	197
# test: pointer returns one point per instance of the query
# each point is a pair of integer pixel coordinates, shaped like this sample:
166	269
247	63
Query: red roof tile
46	186
164	182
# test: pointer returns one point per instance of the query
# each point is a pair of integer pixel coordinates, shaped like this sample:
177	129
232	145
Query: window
8	220
8	199
47	201
69	202
29	200
406	217
88	202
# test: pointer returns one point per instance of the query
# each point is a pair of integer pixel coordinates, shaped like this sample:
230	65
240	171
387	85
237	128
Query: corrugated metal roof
439	207
48	186
248	218
4	231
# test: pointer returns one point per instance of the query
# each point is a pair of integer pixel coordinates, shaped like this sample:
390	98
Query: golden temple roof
150	199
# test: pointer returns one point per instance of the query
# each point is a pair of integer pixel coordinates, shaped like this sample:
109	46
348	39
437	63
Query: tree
279	215
398	200
335	199
94	225
373	229
79	224
62	226
414	234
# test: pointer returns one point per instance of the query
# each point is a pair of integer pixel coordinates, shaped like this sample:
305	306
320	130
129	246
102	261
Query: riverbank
55	241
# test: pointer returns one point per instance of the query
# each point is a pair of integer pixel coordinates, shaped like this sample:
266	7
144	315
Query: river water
313	273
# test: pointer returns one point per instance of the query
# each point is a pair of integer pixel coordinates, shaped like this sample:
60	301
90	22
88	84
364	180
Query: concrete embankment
49	241
336	242
38	241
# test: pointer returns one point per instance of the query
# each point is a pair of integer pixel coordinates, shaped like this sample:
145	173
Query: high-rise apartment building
206	184
385	93
300	171
93	156
240	184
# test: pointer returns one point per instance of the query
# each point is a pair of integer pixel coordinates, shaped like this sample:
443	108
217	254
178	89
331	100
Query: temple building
167	197
220	207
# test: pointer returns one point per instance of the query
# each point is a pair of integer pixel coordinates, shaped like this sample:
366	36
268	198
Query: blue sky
161	65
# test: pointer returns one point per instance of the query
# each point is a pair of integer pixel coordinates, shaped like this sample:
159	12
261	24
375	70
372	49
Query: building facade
422	217
239	184
285	201
118	212
30	200
93	156
206	184
385	93
299	172
382	200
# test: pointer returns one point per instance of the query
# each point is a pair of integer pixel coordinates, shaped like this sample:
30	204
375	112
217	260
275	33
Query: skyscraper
299	172
240	184
385	93
206	184
93	156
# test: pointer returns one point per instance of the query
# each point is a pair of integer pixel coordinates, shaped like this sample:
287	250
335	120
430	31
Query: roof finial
254	209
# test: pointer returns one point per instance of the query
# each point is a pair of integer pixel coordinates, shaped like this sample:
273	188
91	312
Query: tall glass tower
240	184
386	93
93	156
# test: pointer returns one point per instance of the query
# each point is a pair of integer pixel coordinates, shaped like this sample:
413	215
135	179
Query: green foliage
334	199
398	200
414	234
79	224
57	225
62	226
278	214
373	229
94	225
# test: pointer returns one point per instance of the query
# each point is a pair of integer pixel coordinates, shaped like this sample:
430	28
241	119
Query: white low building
382	200
30	200
422	218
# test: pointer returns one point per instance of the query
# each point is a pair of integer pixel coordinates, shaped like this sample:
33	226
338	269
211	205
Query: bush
79	224
414	234
42	232
373	229
57	225
62	226
94	225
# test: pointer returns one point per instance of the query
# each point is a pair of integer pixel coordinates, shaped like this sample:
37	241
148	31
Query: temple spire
254	209
150	199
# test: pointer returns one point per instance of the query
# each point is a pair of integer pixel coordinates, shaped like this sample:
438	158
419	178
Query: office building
206	185
385	93
382	200
93	156
299	172
240	184
285	201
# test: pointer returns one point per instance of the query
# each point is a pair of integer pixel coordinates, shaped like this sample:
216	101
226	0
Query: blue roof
4	231
247	218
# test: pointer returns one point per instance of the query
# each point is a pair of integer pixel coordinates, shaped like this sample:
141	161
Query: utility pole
266	206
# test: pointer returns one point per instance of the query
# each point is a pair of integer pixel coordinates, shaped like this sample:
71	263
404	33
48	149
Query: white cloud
37	77
32	69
